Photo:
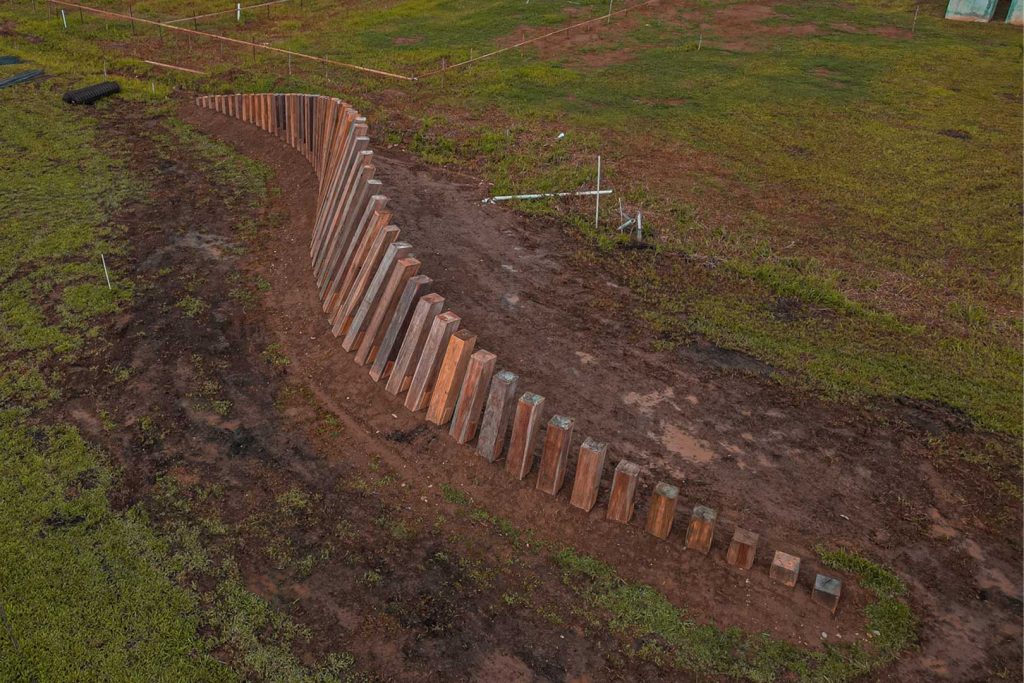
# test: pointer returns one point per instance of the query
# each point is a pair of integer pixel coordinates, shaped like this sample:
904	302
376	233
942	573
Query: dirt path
799	470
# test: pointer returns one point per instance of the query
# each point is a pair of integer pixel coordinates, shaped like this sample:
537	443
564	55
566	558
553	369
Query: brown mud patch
800	470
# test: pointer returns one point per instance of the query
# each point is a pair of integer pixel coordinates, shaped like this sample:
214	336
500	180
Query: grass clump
59	538
673	639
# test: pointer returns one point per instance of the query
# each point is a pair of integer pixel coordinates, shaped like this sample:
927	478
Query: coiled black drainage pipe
91	93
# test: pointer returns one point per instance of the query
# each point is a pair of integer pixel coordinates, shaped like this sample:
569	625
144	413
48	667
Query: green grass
84	589
817	168
87	592
674	639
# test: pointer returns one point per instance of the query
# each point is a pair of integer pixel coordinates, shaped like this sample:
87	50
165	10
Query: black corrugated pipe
91	93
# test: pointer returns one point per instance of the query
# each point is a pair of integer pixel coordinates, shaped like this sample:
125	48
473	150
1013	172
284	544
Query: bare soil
798	470
418	591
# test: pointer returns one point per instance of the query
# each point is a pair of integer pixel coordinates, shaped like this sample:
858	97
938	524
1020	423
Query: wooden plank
701	531
374	291
366	198
589	470
403	270
623	493
555	457
472	396
427	309
380	246
347	274
525	430
494	426
347	145
397	326
330	290
340	183
449	377
442	328
662	512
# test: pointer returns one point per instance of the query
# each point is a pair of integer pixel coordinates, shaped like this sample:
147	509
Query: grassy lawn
827	191
87	592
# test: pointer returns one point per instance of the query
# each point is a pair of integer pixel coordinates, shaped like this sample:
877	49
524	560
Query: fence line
226	39
603	17
224	11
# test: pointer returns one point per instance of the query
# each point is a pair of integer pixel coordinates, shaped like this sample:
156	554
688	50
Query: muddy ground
799	470
408	584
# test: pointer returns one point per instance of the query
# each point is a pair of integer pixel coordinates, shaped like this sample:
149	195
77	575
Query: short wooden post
392	339
412	346
701	531
621	498
663	510
525	430
449	377
589	468
742	549
472	396
785	568
494	426
555	457
826	591
441	329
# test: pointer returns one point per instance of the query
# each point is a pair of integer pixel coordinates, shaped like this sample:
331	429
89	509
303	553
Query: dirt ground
797	470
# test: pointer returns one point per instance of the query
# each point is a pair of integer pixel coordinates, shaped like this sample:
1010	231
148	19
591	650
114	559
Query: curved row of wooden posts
382	308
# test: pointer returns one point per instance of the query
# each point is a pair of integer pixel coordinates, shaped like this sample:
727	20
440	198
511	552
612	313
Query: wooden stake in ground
472	396
427	309
589	468
450	376
423	380
403	270
743	549
701	532
663	510
555	458
785	568
415	288
525	430
494	426
624	483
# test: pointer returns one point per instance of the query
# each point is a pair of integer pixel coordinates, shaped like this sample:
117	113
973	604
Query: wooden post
663	510
589	468
450	376
554	460
701	531
494	426
441	330
826	591
403	270
374	256
743	549
785	568
412	345
374	290
399	324
525	430
621	498
472	396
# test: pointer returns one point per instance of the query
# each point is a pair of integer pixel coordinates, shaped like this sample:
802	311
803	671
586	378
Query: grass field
87	592
826	191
